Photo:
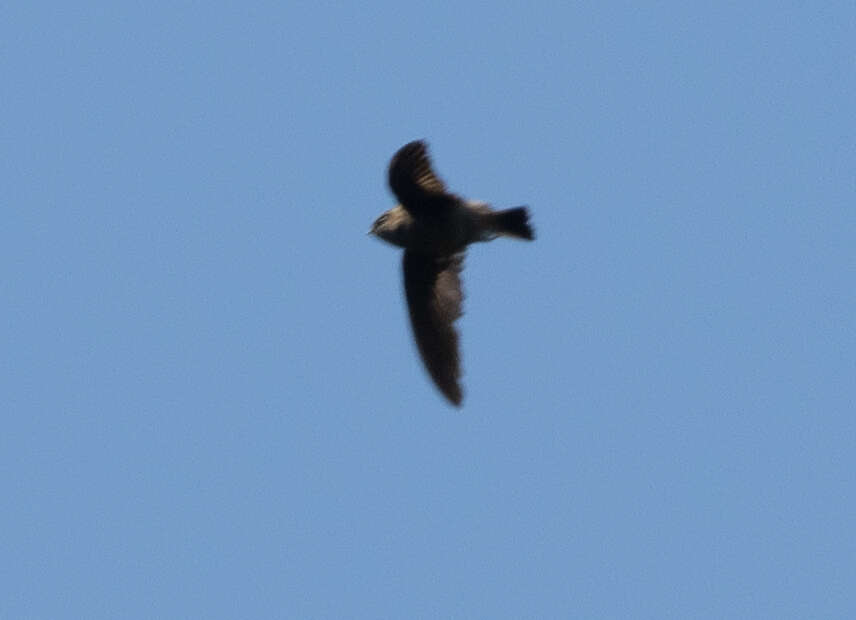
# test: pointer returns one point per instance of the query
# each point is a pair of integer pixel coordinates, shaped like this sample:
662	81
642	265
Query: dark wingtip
421	143
450	388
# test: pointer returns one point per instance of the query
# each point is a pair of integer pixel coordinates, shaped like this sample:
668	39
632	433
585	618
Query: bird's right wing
432	285
414	182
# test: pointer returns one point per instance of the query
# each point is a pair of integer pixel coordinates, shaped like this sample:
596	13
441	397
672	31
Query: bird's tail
513	222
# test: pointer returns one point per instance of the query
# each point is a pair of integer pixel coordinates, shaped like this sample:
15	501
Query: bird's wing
432	285
414	183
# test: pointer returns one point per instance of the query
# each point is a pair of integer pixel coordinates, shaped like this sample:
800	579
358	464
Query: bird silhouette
435	226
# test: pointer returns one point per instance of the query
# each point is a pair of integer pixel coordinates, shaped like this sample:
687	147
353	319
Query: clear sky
212	405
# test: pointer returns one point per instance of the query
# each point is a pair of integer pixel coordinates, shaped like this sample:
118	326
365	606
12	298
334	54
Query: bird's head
392	226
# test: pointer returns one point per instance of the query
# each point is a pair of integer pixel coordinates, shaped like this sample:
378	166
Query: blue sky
212	405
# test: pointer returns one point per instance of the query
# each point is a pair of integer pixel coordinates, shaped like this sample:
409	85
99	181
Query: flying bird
435	226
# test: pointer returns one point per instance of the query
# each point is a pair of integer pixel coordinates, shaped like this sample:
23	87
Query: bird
435	226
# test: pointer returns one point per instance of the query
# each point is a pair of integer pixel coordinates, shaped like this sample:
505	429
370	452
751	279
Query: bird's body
434	227
447	232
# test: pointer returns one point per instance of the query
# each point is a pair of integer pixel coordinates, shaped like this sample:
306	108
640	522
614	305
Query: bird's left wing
414	182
